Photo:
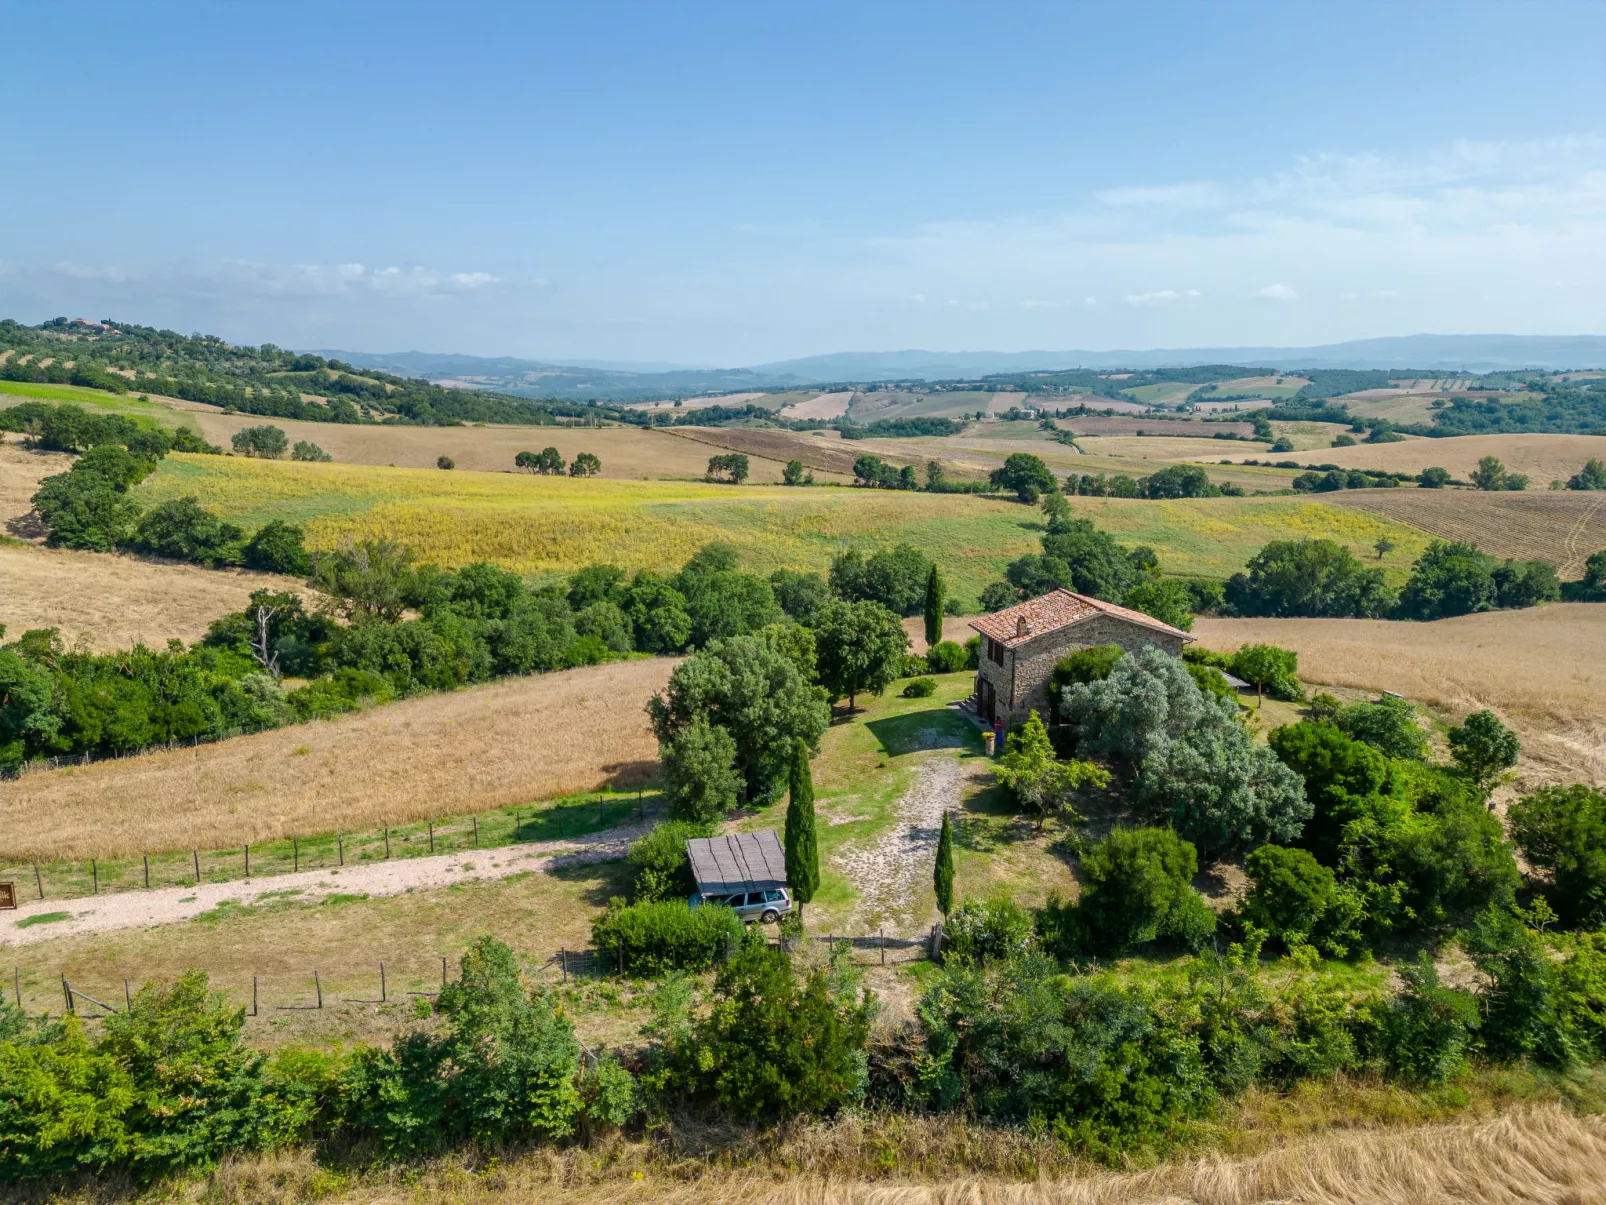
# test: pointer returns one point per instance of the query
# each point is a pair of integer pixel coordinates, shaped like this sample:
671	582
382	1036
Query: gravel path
141	909
894	871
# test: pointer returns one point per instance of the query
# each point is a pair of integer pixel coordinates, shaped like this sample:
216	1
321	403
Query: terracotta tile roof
1059	609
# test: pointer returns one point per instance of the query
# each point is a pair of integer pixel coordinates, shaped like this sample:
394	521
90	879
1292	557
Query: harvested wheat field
631	452
1544	458
21	471
824	405
112	602
1527	1157
1543	669
1560	526
468	751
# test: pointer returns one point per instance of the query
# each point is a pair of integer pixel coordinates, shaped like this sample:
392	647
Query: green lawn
13	392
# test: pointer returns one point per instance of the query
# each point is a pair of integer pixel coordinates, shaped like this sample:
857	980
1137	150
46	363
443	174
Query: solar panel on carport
738	862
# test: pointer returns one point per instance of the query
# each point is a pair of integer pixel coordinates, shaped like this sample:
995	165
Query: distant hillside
602	381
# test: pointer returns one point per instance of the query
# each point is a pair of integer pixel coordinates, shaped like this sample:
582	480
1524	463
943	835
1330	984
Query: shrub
445	462
1137	884
277	547
947	657
1388	725
659	861
1433	478
180	528
504	1069
774	1044
700	776
305	450
1423	1031
1483	747
979	930
1293	895
1450	578
1562	831
666	935
920	688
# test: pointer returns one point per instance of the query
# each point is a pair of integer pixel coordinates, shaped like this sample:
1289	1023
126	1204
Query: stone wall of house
1034	661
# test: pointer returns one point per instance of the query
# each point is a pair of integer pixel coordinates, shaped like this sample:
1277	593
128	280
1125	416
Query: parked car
766	906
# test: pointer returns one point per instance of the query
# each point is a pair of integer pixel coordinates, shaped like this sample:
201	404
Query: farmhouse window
995	651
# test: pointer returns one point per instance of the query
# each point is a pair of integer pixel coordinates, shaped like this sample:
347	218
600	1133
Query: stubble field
1544	458
1544	669
485	747
1560	526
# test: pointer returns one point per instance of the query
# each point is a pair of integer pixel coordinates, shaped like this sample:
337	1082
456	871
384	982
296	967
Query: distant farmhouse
1020	646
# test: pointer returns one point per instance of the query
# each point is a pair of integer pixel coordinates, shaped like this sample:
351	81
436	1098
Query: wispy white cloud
1275	292
1161	296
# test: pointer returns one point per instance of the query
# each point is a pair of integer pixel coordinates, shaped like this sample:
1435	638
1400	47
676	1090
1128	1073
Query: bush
920	688
1562	831
305	450
947	657
181	529
1388	725
774	1044
1269	669
659	861
1450	578
1422	1032
666	935
700	777
979	930
445	462
1293	898
1137	885
503	1070
277	547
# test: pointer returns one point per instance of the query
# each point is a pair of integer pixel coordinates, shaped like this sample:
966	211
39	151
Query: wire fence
386	983
561	820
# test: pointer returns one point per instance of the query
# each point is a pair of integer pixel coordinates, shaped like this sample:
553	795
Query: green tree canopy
861	648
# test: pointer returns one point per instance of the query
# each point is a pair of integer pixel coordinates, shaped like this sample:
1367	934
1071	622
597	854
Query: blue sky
737	183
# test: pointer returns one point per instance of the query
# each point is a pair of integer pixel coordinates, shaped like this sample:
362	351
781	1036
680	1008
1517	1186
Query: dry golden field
113	601
630	452
1544	669
1529	1156
20	474
472	750
1544	458
1559	526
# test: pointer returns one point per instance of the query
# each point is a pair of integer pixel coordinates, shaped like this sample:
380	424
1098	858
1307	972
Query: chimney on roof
1023	627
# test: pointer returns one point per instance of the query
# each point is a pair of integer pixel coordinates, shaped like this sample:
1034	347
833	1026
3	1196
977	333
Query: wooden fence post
94	871
883	947
253	995
128	996
38	880
147	858
518	824
476	821
431	836
563	955
248	859
16	984
443	970
387	843
67	992
295	853
381	983
318	986
197	867
340	843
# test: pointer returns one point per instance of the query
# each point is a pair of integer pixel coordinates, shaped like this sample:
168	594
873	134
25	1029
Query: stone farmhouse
1020	646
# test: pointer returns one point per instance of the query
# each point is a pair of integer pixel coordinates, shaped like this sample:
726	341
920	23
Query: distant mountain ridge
615	381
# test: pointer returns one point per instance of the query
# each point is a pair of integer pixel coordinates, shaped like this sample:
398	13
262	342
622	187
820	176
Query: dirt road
142	909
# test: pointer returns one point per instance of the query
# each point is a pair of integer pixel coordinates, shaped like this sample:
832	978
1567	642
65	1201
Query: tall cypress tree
942	876
802	846
933	607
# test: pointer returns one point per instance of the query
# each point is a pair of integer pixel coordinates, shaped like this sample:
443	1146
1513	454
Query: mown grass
541	525
13	392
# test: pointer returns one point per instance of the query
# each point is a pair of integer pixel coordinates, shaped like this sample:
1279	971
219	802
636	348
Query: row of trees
549	462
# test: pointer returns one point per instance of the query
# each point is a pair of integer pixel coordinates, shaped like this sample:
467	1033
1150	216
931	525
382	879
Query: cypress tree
802	847
933	607
942	876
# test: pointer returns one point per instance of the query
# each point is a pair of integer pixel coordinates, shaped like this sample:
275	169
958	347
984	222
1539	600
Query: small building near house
1021	645
737	863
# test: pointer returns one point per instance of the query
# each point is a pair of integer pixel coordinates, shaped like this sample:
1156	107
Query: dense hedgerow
656	936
